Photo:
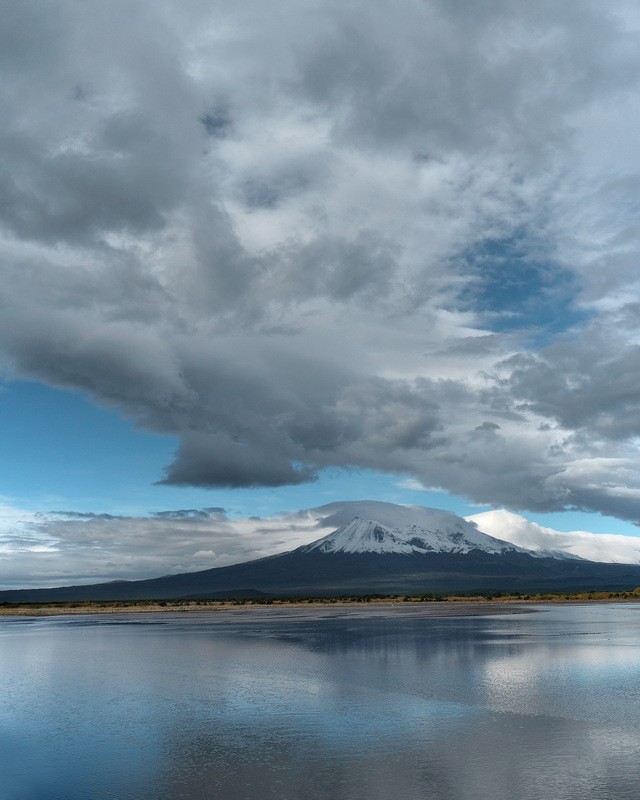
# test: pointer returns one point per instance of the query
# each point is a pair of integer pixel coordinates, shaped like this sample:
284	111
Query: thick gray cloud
284	233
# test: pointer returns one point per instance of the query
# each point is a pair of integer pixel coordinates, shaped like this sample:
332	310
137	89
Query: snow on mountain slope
371	526
445	534
361	536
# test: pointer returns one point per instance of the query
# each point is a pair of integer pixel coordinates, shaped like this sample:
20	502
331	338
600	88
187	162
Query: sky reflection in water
333	704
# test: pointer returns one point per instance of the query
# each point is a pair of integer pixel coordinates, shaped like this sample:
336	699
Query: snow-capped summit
408	529
417	530
361	536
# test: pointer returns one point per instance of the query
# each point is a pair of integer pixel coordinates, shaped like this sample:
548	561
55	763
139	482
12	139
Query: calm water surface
296	704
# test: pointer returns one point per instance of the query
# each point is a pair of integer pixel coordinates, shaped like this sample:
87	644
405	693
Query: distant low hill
376	548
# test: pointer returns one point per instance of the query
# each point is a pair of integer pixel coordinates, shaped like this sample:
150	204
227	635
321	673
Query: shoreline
451	606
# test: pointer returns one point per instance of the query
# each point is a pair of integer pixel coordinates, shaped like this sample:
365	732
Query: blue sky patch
516	286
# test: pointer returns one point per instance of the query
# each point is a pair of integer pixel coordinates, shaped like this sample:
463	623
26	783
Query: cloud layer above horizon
62	548
65	547
299	236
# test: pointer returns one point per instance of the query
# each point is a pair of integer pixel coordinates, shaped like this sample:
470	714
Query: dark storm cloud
298	235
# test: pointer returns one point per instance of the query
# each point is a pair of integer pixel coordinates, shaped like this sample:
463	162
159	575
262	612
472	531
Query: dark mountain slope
324	574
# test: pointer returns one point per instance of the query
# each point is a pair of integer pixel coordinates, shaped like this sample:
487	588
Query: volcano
376	548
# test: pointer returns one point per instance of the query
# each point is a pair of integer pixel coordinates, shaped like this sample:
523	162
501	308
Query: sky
257	257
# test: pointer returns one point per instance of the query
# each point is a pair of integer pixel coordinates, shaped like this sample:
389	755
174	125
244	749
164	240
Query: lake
340	703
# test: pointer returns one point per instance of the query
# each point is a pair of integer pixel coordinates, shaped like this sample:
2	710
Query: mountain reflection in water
328	703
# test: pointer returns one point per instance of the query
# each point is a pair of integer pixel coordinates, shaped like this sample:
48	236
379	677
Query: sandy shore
339	607
452	606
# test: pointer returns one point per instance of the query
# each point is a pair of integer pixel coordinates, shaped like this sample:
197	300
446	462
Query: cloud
316	235
412	485
192	513
63	548
593	546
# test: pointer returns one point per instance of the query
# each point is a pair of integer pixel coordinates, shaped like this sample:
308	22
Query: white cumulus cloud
607	547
